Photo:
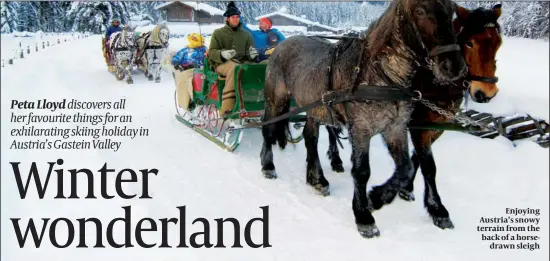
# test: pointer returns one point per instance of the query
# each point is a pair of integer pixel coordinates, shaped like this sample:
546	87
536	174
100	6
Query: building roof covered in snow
298	20
197	6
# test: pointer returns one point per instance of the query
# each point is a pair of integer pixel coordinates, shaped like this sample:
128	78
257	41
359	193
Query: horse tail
277	103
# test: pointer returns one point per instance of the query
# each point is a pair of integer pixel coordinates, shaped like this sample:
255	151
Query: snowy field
476	177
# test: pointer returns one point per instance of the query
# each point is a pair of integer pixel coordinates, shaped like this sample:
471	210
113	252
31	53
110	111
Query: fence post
48	43
36	47
28	49
43	46
21	55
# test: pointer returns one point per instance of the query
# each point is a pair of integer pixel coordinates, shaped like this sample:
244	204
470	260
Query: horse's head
164	34
480	38
430	33
160	35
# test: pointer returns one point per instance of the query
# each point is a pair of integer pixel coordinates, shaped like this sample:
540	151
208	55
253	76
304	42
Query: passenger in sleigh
184	62
265	39
113	28
230	46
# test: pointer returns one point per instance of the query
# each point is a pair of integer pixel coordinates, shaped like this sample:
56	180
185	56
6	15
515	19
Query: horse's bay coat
226	38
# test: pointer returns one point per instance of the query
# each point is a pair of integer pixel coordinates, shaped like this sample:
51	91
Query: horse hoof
322	190
150	78
368	231
443	222
378	198
338	168
269	174
407	196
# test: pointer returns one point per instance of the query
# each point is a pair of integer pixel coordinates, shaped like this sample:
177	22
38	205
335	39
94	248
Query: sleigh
203	117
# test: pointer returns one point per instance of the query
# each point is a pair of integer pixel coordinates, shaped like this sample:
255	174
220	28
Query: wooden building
181	11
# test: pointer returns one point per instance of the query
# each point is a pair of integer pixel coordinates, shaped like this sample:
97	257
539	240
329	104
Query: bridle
437	50
478	78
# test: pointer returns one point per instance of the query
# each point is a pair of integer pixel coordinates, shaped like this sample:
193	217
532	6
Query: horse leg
129	80
154	66
157	73
422	140
333	154
272	133
119	73
147	66
277	102
407	192
360	171
397	142
315	176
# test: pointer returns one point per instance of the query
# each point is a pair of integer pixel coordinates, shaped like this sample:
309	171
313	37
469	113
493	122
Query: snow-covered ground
476	177
12	44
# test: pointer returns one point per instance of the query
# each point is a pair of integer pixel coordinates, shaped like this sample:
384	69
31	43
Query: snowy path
476	178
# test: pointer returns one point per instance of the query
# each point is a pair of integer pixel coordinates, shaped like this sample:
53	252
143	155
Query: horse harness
146	36
116	48
363	91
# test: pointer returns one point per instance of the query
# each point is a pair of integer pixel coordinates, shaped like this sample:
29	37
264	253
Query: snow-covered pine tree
8	16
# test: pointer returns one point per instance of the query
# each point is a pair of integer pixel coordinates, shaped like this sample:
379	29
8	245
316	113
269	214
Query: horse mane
154	37
380	31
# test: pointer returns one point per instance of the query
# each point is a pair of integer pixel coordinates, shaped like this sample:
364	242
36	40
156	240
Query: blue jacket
261	38
190	56
112	29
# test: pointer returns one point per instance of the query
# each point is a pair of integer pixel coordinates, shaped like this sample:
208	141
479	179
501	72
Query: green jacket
226	38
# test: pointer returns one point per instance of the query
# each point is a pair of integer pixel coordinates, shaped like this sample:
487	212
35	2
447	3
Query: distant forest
521	19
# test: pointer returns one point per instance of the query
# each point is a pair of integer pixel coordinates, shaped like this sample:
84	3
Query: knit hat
231	10
195	40
267	21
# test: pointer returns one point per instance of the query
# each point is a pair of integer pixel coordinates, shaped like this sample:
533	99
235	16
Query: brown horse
479	38
409	34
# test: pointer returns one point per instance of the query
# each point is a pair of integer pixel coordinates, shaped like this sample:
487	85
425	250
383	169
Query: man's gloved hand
252	53
269	51
228	54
